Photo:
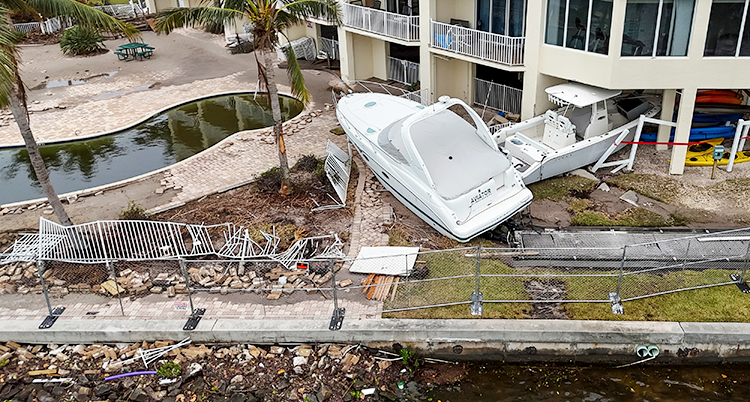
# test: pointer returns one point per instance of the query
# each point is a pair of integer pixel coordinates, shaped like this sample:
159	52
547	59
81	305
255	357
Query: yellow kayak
707	159
705	147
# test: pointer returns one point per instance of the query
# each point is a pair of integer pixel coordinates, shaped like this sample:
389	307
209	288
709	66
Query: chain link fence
460	282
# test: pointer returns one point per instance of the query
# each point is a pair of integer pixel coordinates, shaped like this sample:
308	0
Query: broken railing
247	276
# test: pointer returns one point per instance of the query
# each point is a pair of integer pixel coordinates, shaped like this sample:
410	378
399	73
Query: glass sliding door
555	22
503	17
579	24
657	27
725	29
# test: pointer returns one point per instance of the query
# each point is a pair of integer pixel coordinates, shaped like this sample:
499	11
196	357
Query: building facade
504	53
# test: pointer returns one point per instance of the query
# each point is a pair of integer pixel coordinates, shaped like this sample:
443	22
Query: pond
160	141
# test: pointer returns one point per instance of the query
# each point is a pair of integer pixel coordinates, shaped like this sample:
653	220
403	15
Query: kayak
718	99
716	118
707	159
703	148
697	134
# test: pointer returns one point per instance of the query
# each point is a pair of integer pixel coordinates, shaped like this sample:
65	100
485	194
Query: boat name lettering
482	195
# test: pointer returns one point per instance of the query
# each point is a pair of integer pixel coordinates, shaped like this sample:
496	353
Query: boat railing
420	95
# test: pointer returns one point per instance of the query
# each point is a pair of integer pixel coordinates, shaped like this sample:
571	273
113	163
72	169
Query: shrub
307	163
134	212
169	369
79	40
270	180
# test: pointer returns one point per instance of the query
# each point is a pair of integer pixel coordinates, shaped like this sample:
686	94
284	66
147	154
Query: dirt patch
36	37
432	375
252	207
550	289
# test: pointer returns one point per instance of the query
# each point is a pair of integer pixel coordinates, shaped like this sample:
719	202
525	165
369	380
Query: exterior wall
457	9
161	5
362	57
454	78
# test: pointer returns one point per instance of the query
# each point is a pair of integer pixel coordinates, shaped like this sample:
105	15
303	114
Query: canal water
160	141
492	383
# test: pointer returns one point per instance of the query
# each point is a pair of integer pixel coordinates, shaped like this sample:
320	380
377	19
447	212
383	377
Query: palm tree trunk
21	114
273	94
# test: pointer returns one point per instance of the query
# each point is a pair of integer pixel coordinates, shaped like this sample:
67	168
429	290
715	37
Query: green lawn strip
558	188
724	303
656	187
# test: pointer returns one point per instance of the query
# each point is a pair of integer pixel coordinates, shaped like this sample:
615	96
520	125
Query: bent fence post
476	297
40	270
113	275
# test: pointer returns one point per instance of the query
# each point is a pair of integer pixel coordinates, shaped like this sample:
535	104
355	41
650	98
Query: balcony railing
501	49
331	47
497	96
381	22
403	71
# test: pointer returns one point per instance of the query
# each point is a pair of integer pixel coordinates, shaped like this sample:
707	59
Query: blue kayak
697	134
716	118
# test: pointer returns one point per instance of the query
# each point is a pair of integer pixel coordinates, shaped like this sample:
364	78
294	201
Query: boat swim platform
646	248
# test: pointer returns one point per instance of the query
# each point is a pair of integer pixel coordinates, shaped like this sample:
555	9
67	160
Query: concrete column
667	110
617	29
699	31
346	50
427	11
535	17
682	132
380	59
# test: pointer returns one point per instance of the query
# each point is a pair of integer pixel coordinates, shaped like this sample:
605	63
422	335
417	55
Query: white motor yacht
443	167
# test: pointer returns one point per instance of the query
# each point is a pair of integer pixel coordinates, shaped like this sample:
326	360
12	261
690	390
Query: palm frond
9	75
169	20
329	10
85	16
21	5
296	79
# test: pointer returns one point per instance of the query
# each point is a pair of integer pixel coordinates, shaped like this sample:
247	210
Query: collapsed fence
184	283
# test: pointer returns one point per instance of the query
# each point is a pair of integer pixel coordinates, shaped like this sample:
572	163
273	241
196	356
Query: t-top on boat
446	169
577	134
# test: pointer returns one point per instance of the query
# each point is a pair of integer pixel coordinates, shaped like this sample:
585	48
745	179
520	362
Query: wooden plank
367	282
395	287
386	288
371	292
379	288
43	372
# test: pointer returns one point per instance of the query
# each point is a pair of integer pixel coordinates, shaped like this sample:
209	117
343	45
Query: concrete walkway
507	340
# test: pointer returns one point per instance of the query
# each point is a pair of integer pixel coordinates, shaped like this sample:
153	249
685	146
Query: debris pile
236	372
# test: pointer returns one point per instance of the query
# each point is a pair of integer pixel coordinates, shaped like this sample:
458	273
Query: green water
160	141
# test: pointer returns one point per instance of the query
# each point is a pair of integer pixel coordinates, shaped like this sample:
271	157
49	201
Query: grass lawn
451	281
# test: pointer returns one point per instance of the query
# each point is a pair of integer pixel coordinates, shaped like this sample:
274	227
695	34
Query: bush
307	163
78	41
134	212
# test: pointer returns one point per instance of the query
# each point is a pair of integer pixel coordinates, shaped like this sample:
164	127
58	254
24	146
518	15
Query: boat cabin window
461	112
581	117
392	142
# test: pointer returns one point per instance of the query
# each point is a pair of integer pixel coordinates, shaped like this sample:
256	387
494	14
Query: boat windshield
392	142
456	158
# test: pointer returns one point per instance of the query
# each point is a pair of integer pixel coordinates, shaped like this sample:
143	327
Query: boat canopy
578	95
455	156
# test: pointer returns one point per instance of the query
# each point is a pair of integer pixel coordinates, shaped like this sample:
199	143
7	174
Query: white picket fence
403	71
382	22
49	26
502	49
331	47
497	96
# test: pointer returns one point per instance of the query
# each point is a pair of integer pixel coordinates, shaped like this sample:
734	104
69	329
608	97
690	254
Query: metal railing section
497	96
501	49
122	10
403	71
331	47
382	22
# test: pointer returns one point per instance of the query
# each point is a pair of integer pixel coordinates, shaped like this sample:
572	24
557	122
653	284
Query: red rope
663	143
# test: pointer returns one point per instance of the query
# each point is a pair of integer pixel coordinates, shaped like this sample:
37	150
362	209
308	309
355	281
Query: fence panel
667	266
497	96
27	27
545	275
331	47
403	71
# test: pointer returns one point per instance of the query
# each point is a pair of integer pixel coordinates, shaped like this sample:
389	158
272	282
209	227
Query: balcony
501	49
381	22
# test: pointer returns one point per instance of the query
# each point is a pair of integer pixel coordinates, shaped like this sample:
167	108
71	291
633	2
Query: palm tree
270	18
13	93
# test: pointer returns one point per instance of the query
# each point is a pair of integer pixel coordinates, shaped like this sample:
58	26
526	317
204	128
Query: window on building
725	29
504	17
579	24
657	27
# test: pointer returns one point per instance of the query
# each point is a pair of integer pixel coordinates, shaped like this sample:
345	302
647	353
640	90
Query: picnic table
134	51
